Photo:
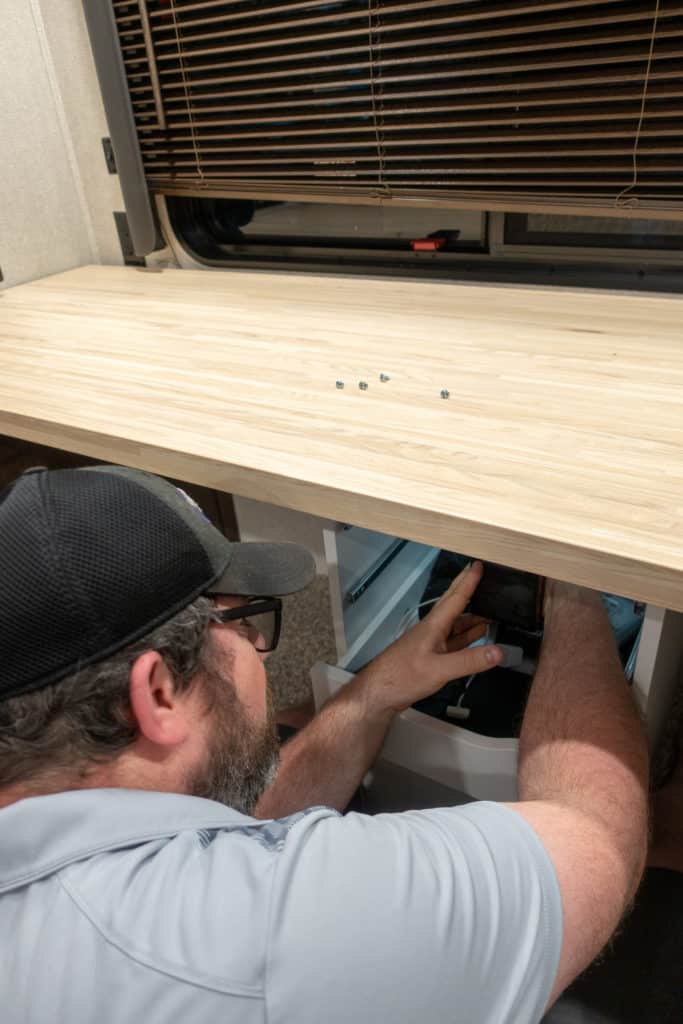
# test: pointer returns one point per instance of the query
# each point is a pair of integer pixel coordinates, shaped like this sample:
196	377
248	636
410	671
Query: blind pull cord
632	201
186	90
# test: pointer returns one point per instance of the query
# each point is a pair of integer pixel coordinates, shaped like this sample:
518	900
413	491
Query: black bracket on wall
109	158
130	257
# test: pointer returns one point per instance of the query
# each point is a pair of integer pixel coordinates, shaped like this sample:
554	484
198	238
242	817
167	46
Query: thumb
468	662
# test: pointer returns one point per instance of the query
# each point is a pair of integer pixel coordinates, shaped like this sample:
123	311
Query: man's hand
326	761
434	651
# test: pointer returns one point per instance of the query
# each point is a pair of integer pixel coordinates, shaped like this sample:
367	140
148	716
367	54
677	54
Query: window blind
536	105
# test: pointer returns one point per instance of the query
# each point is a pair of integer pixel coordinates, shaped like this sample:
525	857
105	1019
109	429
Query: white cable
410	617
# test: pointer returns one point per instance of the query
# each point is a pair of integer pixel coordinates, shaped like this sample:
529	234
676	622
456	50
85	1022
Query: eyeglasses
259	621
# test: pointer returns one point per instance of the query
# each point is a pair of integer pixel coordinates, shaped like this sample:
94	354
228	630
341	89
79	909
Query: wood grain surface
559	450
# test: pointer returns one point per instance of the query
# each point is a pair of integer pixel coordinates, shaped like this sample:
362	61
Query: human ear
157	708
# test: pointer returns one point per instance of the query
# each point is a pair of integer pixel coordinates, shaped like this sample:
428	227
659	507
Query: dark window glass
341	238
592	232
244	230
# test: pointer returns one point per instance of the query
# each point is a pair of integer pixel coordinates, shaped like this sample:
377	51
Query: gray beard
242	757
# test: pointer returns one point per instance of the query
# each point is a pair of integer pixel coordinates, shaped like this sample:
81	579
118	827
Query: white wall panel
56	197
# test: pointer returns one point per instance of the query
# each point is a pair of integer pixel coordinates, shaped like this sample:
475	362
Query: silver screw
363	385
339	384
384	377
445	393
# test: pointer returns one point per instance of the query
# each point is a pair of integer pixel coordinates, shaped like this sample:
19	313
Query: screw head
445	393
363	385
384	377
339	384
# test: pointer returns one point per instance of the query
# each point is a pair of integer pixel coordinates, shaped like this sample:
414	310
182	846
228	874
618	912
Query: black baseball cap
92	559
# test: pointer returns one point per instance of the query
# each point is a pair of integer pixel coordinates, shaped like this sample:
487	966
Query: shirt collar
42	834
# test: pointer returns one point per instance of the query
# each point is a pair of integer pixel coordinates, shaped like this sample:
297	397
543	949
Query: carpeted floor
307	637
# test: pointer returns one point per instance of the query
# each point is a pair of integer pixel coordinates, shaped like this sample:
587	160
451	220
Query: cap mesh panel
85	571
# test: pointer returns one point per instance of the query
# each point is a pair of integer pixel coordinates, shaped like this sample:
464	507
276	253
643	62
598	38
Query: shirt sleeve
426	917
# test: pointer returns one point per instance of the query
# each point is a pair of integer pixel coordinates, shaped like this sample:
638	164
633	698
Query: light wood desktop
558	450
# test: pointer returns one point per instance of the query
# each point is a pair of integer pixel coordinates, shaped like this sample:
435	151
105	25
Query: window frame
500	265
577	253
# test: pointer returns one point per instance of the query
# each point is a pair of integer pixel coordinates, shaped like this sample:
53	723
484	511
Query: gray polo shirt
130	906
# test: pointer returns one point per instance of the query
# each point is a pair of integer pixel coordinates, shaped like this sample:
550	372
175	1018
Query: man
136	741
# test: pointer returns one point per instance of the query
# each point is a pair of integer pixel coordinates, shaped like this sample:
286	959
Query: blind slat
276	33
465	72
430	102
453	163
452	134
266	16
408	87
359	191
403	124
311	53
505	178
260	11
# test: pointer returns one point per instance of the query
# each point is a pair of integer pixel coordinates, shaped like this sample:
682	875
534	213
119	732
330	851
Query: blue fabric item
625	616
121	905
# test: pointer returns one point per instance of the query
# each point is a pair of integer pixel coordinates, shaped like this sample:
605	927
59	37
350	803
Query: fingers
458	641
467	622
469	661
456	598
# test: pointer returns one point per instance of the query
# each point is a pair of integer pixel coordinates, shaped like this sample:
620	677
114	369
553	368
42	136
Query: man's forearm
326	761
582	743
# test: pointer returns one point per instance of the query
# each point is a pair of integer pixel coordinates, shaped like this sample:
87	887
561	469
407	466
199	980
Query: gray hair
87	717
